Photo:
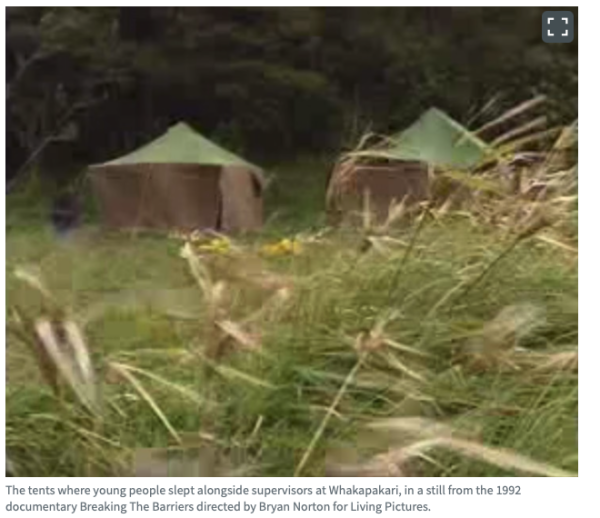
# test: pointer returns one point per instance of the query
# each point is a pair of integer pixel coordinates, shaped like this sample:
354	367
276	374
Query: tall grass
275	392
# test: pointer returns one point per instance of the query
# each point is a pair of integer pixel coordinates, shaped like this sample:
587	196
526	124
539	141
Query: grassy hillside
421	351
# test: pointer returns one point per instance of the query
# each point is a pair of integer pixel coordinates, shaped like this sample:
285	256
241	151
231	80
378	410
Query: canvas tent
180	181
400	167
438	140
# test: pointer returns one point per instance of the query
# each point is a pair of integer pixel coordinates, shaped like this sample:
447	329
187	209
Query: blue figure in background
66	214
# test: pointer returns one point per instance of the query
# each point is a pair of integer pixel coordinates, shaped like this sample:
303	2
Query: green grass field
365	358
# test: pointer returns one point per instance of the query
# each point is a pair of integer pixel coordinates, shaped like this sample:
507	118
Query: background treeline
84	84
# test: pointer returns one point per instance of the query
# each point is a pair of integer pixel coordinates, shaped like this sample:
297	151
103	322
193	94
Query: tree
271	82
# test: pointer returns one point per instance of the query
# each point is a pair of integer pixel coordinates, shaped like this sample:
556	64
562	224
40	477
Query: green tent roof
181	145
437	139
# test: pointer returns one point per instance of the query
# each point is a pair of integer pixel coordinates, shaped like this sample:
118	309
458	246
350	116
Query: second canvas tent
400	167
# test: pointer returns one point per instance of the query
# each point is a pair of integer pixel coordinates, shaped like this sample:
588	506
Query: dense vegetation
258	361
88	83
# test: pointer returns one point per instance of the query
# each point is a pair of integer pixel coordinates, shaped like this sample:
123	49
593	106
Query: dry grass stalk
550	362
520	130
330	411
126	372
364	344
394	362
535	225
224	333
495	345
396	212
33	279
272	308
432	435
180	389
486	109
528	141
558	244
249	270
500	457
232	330
63	357
512	113
340	177
234	374
345	167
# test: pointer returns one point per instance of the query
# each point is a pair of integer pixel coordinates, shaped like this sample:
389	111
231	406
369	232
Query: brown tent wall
241	191
177	196
384	185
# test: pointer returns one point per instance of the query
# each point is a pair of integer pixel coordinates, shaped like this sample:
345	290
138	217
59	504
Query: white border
552	497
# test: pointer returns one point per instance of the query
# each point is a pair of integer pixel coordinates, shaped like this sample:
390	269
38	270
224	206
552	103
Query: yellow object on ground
283	247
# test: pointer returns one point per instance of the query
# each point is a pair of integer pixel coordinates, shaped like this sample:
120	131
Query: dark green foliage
86	84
